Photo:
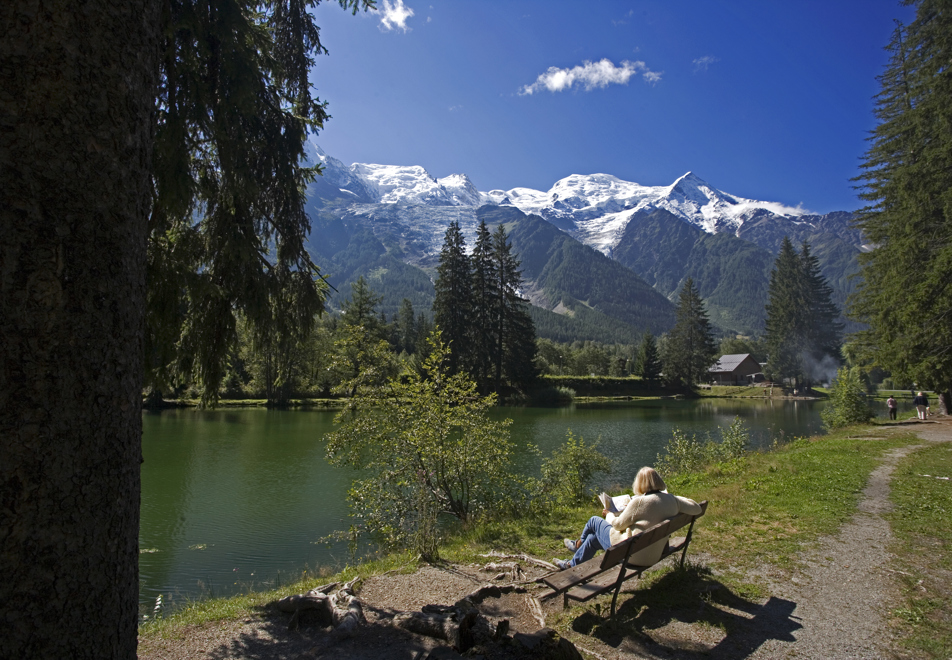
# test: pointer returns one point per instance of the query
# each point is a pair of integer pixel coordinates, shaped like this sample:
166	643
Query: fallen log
511	570
526	558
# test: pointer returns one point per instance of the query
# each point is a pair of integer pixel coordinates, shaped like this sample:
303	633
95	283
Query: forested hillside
731	273
581	291
593	297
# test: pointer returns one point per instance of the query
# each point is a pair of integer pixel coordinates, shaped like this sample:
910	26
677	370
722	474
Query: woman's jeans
595	537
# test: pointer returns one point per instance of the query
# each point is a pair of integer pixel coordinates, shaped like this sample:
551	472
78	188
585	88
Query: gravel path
835	606
842	593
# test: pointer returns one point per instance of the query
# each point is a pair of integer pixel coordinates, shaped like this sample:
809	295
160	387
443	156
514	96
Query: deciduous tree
425	446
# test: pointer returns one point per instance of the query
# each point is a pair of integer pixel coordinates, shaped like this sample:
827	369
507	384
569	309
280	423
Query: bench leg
615	598
621	581
687	542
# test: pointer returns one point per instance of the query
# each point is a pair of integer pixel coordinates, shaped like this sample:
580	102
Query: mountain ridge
660	235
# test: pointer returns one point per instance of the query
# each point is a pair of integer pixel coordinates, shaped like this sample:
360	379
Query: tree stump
341	610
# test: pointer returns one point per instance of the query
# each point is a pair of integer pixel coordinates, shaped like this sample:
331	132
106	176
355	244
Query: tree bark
945	402
77	88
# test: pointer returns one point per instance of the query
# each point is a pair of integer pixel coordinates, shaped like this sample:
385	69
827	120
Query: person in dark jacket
922	405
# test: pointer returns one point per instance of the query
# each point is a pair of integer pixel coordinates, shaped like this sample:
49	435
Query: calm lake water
238	499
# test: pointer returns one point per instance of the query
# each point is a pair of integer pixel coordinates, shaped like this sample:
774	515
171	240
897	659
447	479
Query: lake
238	499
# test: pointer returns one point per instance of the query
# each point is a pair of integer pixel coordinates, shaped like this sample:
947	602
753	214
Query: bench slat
601	574
561	580
597	586
606	581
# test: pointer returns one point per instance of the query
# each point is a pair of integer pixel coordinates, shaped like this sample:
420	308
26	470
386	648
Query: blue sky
763	99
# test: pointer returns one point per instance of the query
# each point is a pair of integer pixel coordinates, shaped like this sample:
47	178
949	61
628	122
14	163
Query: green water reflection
238	499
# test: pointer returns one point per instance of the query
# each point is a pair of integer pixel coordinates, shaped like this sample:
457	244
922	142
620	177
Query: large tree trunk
77	87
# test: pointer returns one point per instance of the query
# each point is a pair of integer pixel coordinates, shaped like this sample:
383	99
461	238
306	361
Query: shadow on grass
736	625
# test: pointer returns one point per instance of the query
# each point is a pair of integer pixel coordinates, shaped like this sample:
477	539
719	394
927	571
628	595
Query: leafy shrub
847	401
684	453
568	472
553	396
425	447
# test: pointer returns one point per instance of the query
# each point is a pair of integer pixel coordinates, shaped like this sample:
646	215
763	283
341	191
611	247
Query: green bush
684	453
847	400
553	396
424	447
568	472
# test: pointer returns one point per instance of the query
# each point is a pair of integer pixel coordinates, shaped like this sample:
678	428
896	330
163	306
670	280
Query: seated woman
650	505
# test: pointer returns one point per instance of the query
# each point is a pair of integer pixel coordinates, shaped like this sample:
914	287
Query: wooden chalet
739	369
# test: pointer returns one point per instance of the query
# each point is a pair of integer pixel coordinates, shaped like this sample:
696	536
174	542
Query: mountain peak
690	181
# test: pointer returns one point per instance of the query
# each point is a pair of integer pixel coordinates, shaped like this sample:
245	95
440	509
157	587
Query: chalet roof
728	363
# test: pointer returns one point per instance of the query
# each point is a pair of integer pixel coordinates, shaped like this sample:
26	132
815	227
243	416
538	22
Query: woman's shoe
571	544
562	564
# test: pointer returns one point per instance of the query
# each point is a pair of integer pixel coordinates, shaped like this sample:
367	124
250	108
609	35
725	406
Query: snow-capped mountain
638	243
397	184
593	208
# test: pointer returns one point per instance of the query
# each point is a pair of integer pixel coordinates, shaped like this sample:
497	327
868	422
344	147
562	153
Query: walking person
922	405
891	404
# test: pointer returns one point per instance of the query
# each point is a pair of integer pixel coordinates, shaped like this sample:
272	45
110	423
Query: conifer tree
649	362
689	350
906	290
151	193
802	327
360	331
453	302
360	309
514	333
233	108
482	348
786	307
823	330
406	327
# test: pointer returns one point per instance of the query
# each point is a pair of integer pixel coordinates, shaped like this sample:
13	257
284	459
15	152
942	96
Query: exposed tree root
341	610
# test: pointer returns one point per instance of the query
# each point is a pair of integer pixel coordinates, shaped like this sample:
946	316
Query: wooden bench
609	571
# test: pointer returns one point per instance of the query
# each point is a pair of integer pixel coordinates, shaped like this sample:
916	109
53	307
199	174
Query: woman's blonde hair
647	480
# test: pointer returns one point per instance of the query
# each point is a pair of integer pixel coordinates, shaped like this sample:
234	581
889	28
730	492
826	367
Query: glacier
593	208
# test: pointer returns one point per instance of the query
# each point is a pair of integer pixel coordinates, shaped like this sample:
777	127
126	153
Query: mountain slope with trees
577	292
664	235
731	273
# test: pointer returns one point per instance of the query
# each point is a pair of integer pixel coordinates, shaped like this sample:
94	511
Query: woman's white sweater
644	511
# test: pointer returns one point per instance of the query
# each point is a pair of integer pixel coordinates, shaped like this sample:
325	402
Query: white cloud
590	75
701	63
394	16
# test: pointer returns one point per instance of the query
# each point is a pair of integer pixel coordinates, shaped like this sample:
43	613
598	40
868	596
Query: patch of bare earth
835	606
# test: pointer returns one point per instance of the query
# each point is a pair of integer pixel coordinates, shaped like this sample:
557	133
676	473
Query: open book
615	504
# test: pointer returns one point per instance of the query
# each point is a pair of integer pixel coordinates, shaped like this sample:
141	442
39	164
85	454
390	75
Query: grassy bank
764	507
922	525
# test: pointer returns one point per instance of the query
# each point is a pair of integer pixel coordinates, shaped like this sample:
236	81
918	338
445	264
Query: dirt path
844	590
835	607
847	587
